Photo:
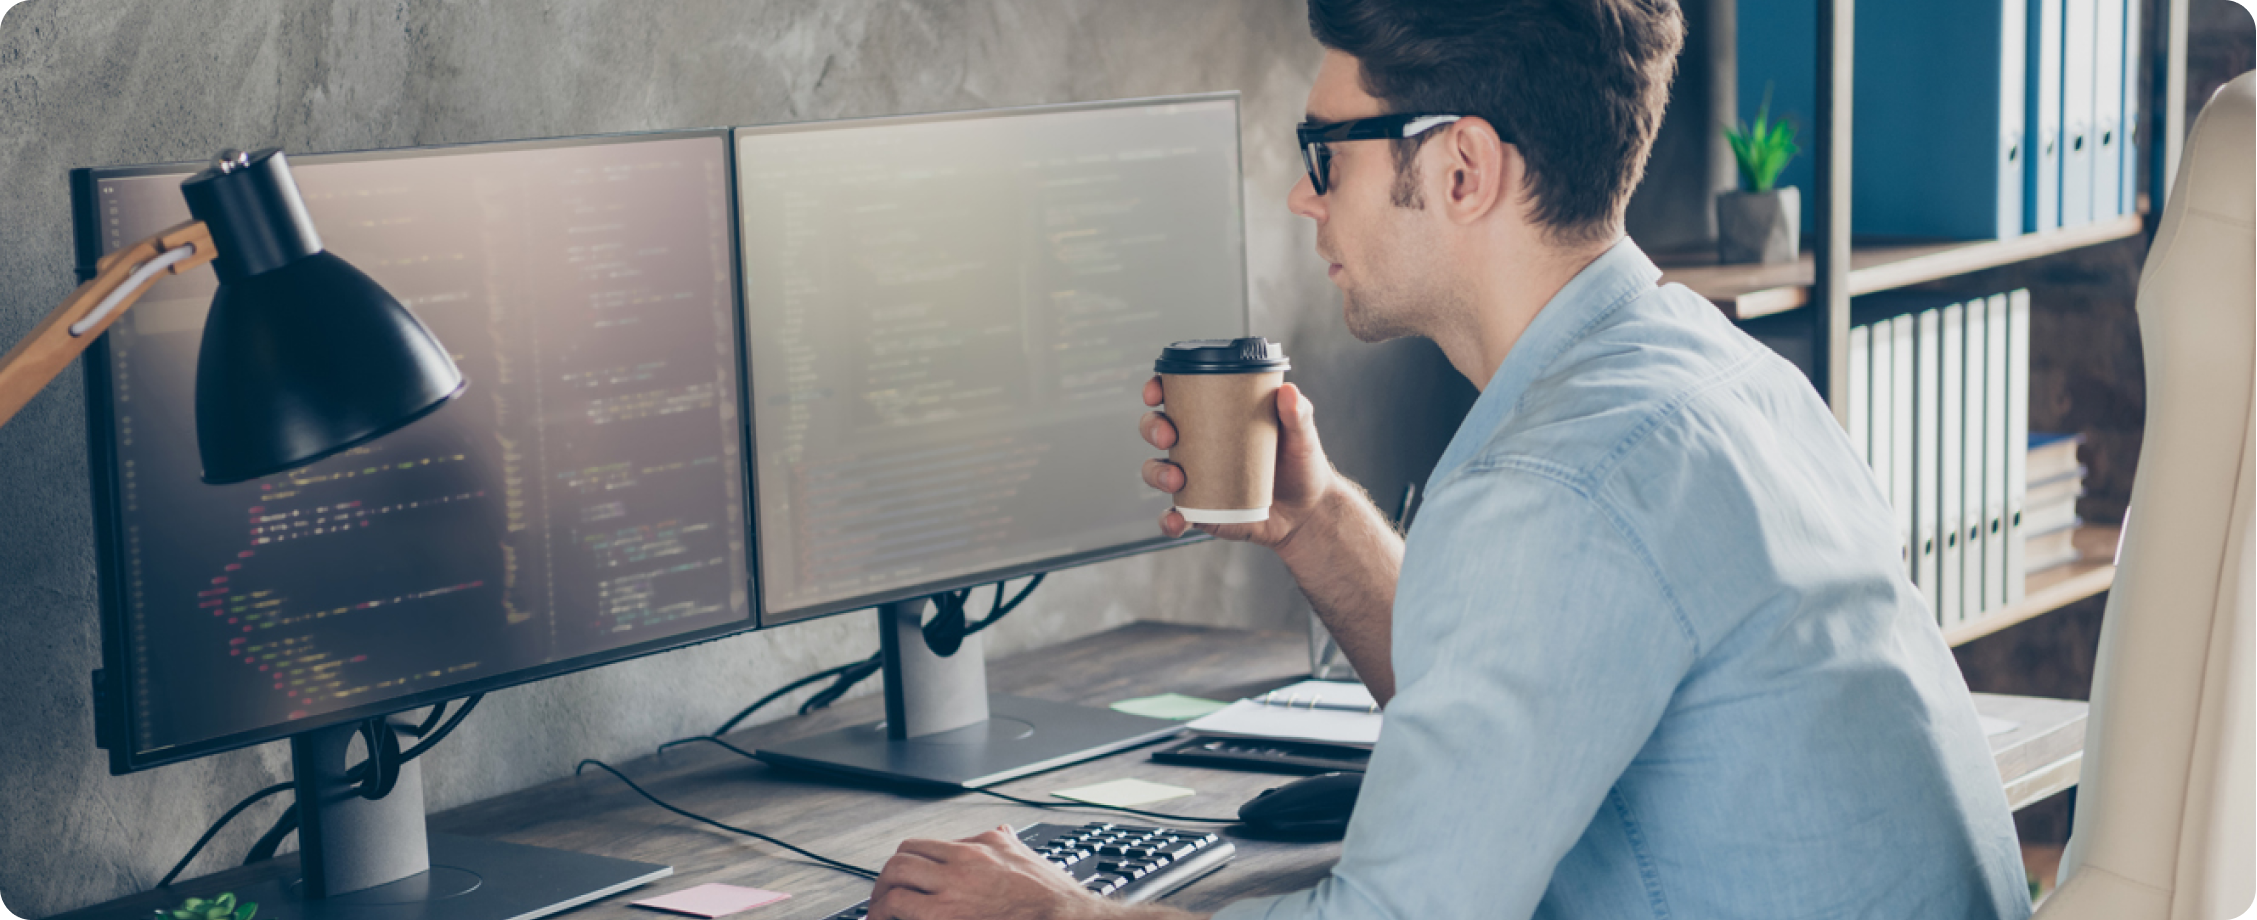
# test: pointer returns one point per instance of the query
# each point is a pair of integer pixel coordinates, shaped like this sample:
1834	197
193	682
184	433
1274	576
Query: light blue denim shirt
1656	655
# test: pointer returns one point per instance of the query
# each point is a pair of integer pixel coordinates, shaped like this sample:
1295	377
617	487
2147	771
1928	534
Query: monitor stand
362	859
943	729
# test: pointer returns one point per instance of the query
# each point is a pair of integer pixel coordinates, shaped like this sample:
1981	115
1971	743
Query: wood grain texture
1750	291
38	357
860	822
2055	588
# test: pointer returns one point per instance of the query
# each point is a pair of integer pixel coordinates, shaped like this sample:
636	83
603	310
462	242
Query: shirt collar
1612	279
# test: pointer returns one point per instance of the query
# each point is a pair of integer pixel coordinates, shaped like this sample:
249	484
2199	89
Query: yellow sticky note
1124	793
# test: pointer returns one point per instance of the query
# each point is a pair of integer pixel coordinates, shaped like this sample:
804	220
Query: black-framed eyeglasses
1316	139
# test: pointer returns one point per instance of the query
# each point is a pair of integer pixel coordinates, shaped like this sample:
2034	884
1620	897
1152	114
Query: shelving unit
1835	268
2050	590
1752	291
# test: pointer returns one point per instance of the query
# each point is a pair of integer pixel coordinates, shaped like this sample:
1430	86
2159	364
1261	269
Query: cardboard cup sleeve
1226	443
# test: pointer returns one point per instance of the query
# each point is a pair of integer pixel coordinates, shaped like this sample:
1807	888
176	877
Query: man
1649	651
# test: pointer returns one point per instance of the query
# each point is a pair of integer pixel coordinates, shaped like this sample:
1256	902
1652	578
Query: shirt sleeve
1535	649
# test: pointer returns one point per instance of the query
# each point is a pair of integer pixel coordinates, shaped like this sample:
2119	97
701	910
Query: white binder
1861	393
2108	128
1972	544
2017	438
1883	363
1951	462
1927	377
1900	431
2078	21
1995	393
2041	191
2127	143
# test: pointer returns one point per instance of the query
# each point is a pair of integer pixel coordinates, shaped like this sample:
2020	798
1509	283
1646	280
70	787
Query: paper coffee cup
1222	396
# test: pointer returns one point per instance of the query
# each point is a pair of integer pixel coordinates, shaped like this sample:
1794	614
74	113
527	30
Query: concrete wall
107	82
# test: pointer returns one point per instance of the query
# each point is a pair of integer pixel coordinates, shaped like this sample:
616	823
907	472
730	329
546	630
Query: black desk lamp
303	356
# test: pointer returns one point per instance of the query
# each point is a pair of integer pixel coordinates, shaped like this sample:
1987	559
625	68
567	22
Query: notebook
1287	720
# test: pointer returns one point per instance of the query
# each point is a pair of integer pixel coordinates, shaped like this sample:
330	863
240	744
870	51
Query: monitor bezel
799	614
114	699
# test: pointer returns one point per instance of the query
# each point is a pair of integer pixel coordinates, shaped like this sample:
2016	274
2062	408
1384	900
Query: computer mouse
1313	807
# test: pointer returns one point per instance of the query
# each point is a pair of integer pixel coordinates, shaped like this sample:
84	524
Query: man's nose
1305	201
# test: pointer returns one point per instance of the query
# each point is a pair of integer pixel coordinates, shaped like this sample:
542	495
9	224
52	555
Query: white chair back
2164	805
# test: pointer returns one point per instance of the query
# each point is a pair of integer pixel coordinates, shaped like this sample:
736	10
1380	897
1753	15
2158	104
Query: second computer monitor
949	320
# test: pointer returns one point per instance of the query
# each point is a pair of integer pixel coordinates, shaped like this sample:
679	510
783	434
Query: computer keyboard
1125	862
1266	756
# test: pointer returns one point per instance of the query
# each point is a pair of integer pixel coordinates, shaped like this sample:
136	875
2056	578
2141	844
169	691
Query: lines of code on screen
949	324
584	494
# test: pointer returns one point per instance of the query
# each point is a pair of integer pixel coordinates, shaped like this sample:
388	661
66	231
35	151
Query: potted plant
219	908
1759	222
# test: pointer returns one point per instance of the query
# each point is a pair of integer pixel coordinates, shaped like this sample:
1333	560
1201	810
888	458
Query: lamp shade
303	356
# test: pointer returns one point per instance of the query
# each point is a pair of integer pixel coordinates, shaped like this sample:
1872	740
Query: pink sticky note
712	900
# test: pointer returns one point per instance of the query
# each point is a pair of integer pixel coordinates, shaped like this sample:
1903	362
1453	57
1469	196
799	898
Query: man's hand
1342	552
989	877
1304	476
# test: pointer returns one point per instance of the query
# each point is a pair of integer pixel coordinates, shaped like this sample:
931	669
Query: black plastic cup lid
1222	356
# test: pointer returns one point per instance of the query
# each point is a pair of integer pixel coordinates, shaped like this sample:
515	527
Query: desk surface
595	813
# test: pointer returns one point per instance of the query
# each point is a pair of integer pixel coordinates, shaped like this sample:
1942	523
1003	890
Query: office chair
2165	809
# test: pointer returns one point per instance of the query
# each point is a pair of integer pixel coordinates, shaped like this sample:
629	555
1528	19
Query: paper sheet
712	900
1168	706
1252	719
1124	793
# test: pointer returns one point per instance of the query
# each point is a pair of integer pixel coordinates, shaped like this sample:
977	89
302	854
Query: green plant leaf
1763	148
192	904
247	911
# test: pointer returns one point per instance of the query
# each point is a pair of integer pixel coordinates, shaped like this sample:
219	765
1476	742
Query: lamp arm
26	368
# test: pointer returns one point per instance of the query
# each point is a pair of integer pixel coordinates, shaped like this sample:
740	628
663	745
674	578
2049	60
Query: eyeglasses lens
1317	156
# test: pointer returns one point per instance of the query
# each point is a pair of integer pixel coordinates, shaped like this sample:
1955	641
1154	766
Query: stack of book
2049	514
1939	407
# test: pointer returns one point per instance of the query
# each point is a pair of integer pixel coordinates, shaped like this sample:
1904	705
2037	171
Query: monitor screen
581	502
948	321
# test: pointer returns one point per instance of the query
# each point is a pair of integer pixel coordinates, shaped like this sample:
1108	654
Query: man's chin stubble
1368	328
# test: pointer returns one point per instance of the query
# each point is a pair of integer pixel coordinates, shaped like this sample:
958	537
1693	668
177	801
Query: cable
848	675
469	703
287	823
780	693
133	282
846	867
222	822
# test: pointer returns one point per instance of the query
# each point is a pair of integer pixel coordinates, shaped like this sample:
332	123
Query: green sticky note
1124	793
1169	706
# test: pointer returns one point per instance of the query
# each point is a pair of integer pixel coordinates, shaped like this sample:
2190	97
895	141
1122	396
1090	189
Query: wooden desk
595	813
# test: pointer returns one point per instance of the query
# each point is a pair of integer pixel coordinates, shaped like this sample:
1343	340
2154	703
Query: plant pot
1759	226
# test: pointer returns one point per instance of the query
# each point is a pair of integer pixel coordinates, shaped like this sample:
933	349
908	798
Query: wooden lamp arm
26	368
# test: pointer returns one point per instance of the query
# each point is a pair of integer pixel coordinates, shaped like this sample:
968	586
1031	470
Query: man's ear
1481	173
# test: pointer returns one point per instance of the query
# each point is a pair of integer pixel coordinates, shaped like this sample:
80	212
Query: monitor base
469	879
1020	737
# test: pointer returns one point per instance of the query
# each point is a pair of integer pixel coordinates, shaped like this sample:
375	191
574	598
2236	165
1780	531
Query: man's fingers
1164	476
1157	430
1152	394
901	904
1172	524
938	851
908	870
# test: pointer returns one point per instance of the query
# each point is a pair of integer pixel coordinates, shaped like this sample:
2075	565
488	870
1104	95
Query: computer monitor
949	320
582	503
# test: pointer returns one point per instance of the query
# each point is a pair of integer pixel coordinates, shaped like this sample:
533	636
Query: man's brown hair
1578	85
